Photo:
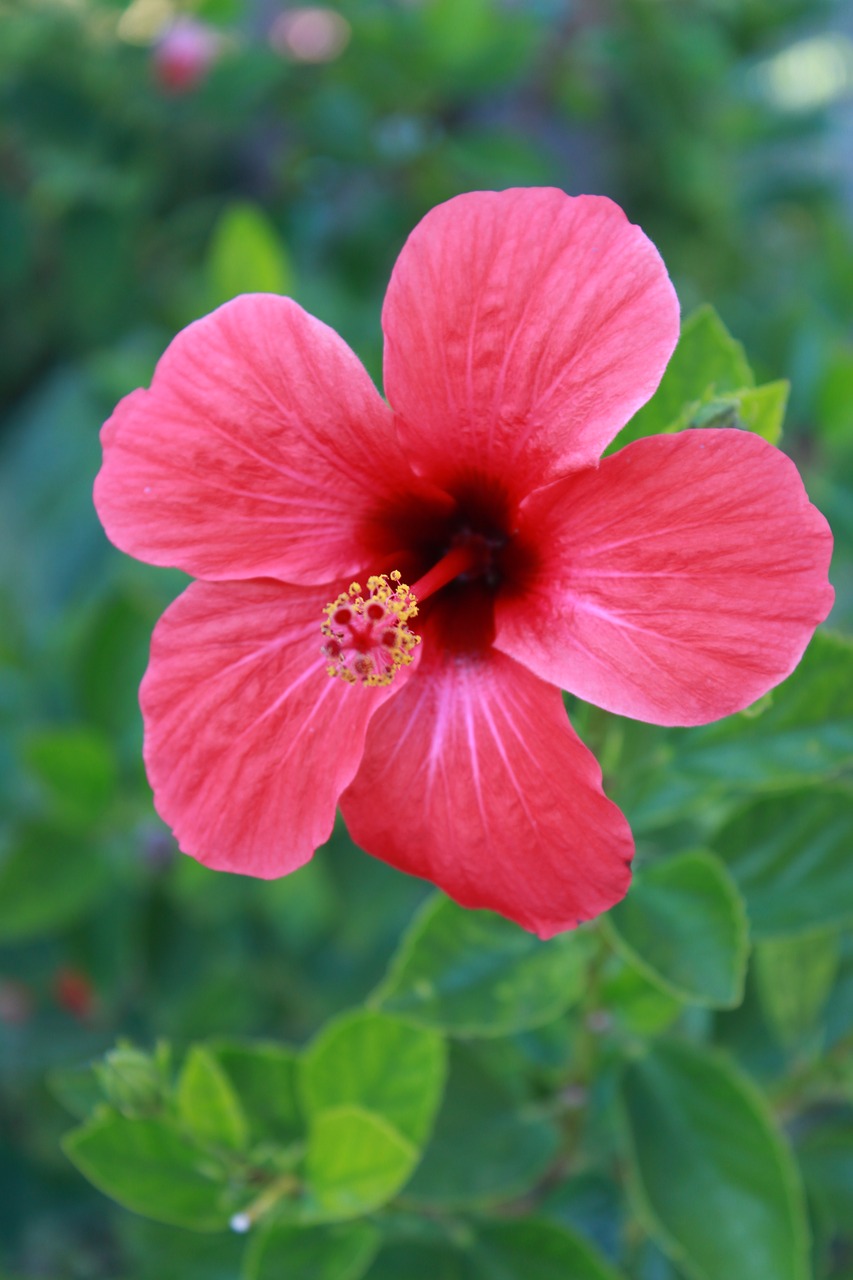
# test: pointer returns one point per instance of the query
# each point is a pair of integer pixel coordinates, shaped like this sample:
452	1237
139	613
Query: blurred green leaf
370	1086
839	1007
246	256
485	1147
825	1154
795	976
790	857
801	732
458	29
50	539
684	924
640	1006
149	1166
762	409
48	878
132	1081
77	770
804	732
375	1062
424	1260
537	1250
472	973
111	657
263	1076
356	1161
207	1104
341	1252
835	402
707	363
717	1186
76	1088
493	159
528	1250
156	1252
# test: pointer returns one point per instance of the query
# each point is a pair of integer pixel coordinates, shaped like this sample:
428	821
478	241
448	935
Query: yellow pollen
365	636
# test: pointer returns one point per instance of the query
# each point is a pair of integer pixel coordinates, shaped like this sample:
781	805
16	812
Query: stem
286	1185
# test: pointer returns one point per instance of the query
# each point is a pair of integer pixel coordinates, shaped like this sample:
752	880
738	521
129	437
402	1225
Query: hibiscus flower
391	596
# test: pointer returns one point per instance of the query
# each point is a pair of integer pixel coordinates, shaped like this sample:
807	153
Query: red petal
248	742
523	329
474	779
677	583
261	449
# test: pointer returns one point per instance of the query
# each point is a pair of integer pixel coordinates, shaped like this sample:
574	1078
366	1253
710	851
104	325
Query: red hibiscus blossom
184	54
674	581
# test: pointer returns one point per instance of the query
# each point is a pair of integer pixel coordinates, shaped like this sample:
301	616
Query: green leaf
356	1161
152	1251
640	1006
825	1154
804	732
370	1087
528	1250
472	973
48	878
716	1183
838	1014
378	1063
263	1075
149	1166
424	1260
76	1088
132	1081
835	402
246	256
116	639
791	860
762	409
795	976
458	29
77	771
207	1104
684	924
537	1250
485	1147
49	535
341	1252
707	362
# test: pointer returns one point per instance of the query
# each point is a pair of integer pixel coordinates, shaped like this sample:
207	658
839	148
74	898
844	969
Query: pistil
366	637
460	559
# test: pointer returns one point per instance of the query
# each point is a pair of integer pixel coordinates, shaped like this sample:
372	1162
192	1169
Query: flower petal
474	779
523	329
248	742
261	449
676	583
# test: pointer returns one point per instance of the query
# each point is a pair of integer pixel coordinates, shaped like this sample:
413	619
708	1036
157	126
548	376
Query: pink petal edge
473	778
248	742
523	329
676	583
262	449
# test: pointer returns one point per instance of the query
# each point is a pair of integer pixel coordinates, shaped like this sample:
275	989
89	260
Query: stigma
365	634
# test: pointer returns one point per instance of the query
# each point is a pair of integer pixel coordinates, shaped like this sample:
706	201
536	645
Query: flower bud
183	55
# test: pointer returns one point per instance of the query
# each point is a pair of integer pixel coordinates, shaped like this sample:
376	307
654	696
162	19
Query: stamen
366	638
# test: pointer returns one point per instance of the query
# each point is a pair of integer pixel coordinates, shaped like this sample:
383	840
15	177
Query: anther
365	637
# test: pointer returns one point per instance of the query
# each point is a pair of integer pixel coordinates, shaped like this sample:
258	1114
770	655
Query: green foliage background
373	1082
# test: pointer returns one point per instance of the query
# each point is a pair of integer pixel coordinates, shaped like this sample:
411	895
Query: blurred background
155	159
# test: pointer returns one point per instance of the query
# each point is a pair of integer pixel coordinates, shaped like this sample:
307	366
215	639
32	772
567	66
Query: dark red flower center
459	559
